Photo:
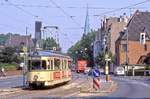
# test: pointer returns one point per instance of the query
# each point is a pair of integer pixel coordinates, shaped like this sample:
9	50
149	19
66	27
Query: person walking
3	72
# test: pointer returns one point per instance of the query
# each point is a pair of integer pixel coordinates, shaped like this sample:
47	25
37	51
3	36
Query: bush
147	68
8	66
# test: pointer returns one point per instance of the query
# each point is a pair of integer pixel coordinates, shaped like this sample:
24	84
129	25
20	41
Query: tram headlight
35	77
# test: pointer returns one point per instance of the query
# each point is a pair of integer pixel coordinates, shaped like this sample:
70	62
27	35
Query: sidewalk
105	88
11	73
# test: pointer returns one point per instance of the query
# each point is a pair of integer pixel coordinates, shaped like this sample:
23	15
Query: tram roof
48	53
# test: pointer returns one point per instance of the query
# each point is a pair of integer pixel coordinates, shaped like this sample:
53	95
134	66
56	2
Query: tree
8	55
5	37
83	49
100	59
50	43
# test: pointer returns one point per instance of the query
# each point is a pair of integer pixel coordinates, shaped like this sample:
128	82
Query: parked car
120	71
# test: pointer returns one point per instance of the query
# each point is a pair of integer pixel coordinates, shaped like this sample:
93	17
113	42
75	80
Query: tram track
73	85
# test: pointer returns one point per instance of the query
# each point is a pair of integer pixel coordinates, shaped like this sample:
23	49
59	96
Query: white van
120	71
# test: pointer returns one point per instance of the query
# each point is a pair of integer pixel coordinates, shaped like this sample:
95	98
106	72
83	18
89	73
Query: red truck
81	66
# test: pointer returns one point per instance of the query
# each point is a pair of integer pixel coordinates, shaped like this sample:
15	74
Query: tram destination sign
35	58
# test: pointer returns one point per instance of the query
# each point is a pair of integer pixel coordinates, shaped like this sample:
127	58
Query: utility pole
87	27
25	49
107	59
127	40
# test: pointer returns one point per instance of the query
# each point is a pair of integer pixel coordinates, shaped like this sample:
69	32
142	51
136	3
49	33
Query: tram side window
29	65
43	64
48	64
69	64
65	64
52	65
57	64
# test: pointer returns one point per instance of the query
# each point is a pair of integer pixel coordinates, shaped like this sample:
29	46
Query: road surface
11	81
67	90
128	89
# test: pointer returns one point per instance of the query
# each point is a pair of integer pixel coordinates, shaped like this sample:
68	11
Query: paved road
15	81
128	89
131	89
11	81
71	88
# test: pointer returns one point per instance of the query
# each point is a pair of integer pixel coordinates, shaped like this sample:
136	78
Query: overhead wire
25	11
16	20
62	10
69	7
126	7
57	6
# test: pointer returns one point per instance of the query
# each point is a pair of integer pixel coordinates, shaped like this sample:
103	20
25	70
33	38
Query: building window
145	47
142	38
124	47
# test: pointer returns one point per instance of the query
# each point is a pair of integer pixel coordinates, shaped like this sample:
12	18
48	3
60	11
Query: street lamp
127	39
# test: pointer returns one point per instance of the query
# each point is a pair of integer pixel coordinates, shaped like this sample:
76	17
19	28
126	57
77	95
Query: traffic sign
96	73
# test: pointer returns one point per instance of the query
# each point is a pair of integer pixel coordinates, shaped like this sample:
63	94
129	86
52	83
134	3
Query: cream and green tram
47	68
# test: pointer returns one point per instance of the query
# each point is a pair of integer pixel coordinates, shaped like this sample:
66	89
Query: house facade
134	43
19	40
109	33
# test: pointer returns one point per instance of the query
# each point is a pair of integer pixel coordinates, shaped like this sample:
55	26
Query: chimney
125	18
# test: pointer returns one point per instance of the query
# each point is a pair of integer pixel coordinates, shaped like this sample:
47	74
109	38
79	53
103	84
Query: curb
7	77
110	89
9	91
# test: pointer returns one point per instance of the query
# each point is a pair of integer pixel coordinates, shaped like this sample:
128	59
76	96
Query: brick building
18	40
137	42
109	33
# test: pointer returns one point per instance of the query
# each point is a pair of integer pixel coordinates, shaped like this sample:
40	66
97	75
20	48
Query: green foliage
4	37
147	68
8	55
8	66
83	48
100	59
49	43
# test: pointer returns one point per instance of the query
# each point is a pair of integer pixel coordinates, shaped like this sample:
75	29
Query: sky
68	15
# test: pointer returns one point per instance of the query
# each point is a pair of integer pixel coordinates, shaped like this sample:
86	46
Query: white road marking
7	77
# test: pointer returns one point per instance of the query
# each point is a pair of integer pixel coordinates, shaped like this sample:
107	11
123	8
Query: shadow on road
41	87
103	97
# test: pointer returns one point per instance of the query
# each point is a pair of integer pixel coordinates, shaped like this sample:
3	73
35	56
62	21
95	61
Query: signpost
107	59
96	79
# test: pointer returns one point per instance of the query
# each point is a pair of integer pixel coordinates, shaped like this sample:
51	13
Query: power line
64	12
126	7
69	7
25	11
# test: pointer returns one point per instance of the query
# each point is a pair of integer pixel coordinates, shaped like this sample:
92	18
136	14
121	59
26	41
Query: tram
47	68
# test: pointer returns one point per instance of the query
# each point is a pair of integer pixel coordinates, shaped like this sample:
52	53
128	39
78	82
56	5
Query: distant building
138	29
17	41
38	26
109	33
